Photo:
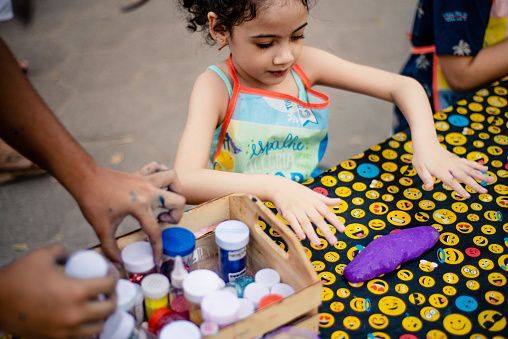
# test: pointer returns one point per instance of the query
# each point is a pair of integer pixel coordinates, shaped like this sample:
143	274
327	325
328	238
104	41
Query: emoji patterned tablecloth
456	289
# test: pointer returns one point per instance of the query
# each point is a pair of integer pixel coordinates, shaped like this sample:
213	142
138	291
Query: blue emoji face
458	120
368	170
466	303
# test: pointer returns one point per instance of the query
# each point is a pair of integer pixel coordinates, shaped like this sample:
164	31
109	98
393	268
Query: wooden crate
299	309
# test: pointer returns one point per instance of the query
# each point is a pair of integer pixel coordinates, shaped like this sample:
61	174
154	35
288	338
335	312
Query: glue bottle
87	264
177	241
177	299
156	291
138	260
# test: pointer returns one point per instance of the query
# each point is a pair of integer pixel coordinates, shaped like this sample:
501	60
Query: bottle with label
232	237
126	295
160	318
177	300
180	329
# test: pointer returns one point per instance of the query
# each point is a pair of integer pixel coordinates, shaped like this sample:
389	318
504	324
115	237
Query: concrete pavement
120	83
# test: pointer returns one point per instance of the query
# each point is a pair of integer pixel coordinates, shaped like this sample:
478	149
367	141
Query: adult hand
300	206
39	301
109	196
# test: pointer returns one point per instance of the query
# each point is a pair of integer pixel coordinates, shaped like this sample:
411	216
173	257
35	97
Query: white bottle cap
155	286
197	284
220	307
126	292
119	325
232	235
208	327
255	291
180	329
282	289
86	264
246	308
138	257
267	277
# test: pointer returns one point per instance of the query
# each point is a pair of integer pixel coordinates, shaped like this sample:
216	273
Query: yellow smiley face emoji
427	266
457	324
450	256
417	298
377	286
426	281
430	314
438	300
412	324
442	126
449	290
377	224
440	116
444	216
360	304
318	265
387	197
353	251
476	206
405	275
493	215
439	196
343	191
389	154
359	186
373	158
357	213
427	205
404	205
494	297
412	193
337	306
476	117
469	271
398	218
496	101
450	278
502	262
422	217
339	269
478	157
332	257
392	306
488	229
327	278
496	248
492	321
394	144
408	147
501	139
406	181
459	207
340	245
326	294
340	208
486	264
464	227
348	164
448	238
326	320
328	181
345	176
351	322
494	150
378	208
378	321
455	139
480	240
401	288
372	194
401	136
357	201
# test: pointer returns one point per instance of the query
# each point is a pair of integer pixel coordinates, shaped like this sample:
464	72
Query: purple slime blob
384	254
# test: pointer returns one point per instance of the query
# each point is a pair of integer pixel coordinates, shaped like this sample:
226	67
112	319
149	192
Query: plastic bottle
126	295
86	264
121	325
232	237
155	289
177	241
221	307
282	289
180	329
246	308
160	318
196	285
139	310
177	300
208	327
138	260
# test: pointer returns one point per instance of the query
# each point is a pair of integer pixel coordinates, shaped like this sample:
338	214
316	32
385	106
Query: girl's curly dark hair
230	13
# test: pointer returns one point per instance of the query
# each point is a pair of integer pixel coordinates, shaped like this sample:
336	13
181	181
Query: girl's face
264	49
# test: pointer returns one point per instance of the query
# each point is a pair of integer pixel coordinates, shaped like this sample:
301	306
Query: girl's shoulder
311	62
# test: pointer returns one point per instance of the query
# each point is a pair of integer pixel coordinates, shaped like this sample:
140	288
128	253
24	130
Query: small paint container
155	290
126	295
221	307
180	329
138	260
247	308
86	264
269	299
232	237
254	292
282	289
196	285
177	241
267	276
160	318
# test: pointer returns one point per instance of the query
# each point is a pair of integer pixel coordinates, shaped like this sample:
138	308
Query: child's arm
430	158
465	73
296	203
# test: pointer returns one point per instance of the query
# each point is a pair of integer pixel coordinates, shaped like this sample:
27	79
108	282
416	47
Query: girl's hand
434	160
300	206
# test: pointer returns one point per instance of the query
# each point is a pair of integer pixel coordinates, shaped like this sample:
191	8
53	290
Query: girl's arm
430	158
296	203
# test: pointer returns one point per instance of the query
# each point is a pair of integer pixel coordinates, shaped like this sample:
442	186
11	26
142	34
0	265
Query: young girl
263	127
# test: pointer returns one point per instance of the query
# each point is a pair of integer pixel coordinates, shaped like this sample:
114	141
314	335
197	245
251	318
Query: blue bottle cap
178	241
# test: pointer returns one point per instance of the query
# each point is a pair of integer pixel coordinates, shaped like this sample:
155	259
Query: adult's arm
104	196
